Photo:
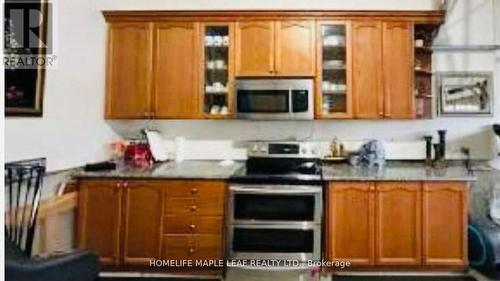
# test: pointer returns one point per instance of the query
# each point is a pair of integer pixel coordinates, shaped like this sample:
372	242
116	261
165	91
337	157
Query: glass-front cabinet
218	70
334	70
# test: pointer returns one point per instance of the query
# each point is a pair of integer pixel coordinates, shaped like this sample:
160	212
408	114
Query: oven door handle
250	190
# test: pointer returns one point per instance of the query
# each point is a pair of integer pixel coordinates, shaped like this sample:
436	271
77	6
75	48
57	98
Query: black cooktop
280	170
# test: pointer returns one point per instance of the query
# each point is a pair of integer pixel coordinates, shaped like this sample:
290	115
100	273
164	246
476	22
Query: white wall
73	131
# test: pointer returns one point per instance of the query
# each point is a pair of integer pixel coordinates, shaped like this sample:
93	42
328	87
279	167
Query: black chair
23	185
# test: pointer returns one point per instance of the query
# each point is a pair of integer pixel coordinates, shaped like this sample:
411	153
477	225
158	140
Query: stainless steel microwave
275	99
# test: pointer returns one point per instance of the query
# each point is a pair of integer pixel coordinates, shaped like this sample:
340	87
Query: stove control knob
303	151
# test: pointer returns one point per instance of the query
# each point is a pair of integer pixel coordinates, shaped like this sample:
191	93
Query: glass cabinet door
334	82
218	71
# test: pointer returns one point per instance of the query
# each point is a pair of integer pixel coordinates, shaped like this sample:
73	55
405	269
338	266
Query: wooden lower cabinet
99	219
445	223
398	223
350	222
192	247
386	224
143	202
130	222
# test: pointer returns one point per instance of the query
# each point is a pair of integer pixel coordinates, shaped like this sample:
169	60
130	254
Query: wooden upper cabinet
398	70
367	70
350	222
99	219
142	229
254	48
398	223
177	65
128	85
334	70
445	223
294	52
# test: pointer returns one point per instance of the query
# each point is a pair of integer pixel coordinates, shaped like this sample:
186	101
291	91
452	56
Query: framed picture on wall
465	93
25	49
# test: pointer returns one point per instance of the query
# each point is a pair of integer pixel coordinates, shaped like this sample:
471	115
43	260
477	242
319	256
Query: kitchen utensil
156	145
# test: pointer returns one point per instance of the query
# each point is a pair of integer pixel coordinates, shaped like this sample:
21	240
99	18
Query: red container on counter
138	154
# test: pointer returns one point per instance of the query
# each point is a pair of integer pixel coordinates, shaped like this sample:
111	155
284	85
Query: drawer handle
192	226
194	208
194	190
192	250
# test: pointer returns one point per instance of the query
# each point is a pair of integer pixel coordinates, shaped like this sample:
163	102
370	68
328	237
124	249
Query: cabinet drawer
192	247
193	188
207	206
192	224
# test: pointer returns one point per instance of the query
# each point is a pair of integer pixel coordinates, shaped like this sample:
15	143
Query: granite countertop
392	171
170	170
396	171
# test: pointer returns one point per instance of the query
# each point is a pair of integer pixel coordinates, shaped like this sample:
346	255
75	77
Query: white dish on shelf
334	40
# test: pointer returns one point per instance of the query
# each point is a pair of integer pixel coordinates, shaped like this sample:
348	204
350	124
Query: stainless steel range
276	203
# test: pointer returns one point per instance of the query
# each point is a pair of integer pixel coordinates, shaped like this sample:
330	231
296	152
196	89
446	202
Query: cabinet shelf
339	92
215	93
423	72
426	50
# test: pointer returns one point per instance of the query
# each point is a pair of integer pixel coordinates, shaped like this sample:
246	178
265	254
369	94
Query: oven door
275	204
276	242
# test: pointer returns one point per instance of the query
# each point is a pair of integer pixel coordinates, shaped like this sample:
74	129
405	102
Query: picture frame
465	93
24	86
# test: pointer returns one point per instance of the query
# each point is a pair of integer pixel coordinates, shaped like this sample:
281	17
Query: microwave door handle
290	102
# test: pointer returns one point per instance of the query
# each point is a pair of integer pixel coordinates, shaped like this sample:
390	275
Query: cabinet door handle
125	184
194	190
152	114
146	114
194	208
192	250
192	226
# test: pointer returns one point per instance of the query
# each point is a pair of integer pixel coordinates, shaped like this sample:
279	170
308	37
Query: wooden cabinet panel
295	43
129	70
445	223
208	206
194	188
367	69
350	222
192	247
192	224
254	48
142	221
99	219
398	70
176	70
398	223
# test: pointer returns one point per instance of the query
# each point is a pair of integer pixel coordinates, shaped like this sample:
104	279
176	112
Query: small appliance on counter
495	162
137	154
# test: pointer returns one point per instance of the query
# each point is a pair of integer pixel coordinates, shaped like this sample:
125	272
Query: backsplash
403	139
